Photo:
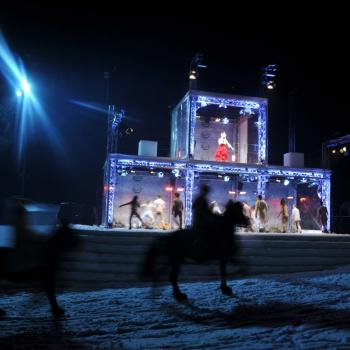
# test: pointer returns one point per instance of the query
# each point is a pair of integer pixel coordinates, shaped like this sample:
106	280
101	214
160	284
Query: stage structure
219	140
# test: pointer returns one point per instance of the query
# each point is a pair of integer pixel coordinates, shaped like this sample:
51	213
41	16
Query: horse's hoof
180	296
2	312
57	311
226	290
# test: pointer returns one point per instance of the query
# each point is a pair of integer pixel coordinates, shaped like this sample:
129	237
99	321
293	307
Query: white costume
147	215
296	219
295	214
159	206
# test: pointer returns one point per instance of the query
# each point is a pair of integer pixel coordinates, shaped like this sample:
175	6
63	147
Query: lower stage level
112	258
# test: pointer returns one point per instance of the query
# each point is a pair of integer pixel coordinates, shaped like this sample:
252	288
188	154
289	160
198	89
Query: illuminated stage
218	140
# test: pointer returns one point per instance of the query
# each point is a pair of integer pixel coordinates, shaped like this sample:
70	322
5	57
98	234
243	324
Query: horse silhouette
214	242
43	271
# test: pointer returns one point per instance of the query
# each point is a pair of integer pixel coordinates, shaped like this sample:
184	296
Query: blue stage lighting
25	86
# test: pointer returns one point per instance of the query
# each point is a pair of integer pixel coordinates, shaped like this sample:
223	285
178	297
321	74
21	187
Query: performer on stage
177	209
296	218
284	215
147	216
247	212
322	216
261	213
159	206
135	204
221	153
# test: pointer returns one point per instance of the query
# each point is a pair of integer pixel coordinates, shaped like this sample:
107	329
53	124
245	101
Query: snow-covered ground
305	311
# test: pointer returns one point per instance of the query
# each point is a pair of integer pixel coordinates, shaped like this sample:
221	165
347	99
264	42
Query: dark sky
66	51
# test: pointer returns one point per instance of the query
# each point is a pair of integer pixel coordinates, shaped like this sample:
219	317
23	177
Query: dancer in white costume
296	218
159	206
147	215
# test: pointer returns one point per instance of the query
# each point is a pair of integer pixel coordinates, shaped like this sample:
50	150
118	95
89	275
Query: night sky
67	50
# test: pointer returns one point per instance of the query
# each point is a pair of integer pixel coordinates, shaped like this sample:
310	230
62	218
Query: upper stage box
216	127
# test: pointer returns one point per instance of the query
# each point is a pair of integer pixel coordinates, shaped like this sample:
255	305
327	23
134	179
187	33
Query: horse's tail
158	248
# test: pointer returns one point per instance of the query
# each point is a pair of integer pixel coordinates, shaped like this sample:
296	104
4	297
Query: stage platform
113	257
110	258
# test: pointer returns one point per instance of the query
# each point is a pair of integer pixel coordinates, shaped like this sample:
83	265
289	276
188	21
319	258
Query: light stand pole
292	119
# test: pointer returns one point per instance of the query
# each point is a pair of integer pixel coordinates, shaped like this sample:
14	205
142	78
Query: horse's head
234	213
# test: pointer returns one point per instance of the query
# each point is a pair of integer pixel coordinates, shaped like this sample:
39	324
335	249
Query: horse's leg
225	289
174	273
50	287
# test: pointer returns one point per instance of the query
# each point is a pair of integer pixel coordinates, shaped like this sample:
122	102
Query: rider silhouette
202	220
200	209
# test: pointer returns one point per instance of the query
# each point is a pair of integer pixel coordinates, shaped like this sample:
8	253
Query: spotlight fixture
176	172
268	76
270	85
225	121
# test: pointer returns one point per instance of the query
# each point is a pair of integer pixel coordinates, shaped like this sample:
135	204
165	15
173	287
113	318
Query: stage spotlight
286	182
270	85
226	178
160	174
129	131
334	151
176	172
193	75
344	149
25	86
19	93
168	189
225	121
217	120
180	189
268	76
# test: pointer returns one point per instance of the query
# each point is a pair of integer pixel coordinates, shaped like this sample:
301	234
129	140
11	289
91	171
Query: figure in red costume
221	153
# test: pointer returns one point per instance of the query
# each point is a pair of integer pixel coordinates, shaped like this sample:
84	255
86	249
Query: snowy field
303	311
